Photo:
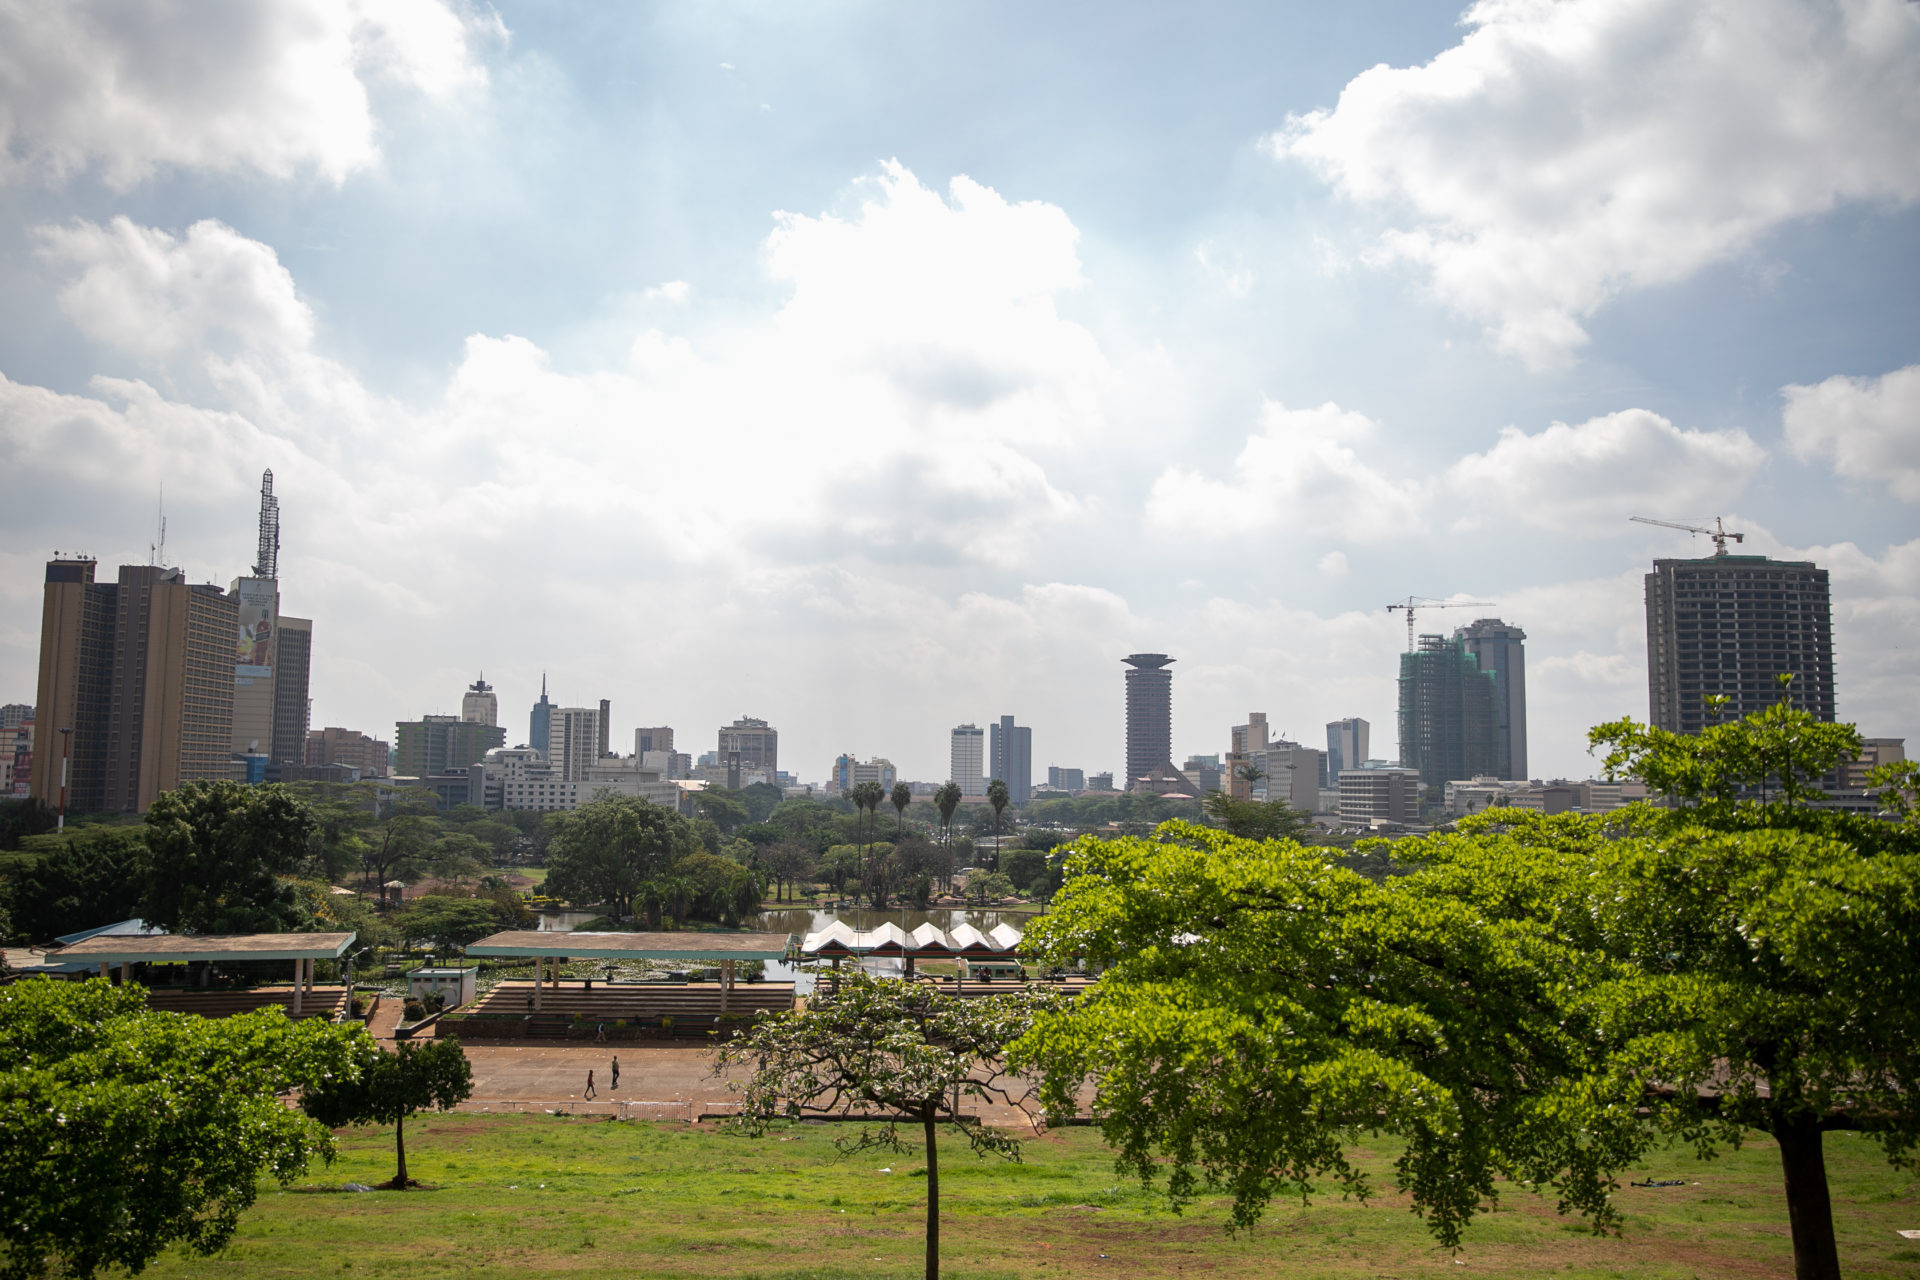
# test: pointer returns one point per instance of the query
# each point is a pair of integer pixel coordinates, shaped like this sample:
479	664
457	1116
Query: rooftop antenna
157	549
267	565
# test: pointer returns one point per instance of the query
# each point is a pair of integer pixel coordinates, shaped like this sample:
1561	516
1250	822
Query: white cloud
128	88
1333	564
675	291
1868	427
1305	469
1564	152
1601	472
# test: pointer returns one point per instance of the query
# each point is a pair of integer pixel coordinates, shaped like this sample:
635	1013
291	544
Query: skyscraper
967	759
292	670
1010	748
755	742
479	706
1499	650
1347	746
76	686
1149	715
538	722
573	740
1446	713
1728	625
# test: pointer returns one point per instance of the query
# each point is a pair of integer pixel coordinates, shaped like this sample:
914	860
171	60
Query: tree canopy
87	878
386	1088
1541	998
129	1130
899	1049
216	853
607	849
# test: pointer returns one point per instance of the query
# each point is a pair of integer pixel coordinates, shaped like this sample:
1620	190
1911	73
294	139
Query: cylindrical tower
1149	715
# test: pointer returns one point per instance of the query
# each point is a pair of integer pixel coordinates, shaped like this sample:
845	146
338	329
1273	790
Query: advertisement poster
259	606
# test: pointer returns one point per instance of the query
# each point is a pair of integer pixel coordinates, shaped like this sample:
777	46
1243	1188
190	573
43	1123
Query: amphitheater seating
320	1002
634	1001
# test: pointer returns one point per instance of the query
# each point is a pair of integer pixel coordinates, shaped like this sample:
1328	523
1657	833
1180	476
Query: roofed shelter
126	951
548	949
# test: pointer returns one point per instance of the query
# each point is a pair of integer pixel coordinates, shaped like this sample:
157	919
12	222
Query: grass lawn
558	1197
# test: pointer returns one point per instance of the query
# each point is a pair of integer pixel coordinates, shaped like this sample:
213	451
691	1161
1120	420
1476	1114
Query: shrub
413	1010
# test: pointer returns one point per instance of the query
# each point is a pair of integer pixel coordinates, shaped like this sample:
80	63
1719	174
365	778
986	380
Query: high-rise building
292	668
1066	779
436	745
1388	795
76	686
1010	758
16	751
1149	715
573	741
1446	713
967	756
606	728
479	706
1243	740
1501	653
1100	782
653	738
1728	626
1347	746
541	718
256	642
750	746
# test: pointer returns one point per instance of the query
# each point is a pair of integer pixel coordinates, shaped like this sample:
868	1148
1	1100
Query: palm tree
997	797
866	798
947	800
901	796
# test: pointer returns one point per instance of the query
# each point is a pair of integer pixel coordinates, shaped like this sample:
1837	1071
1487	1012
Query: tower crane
1412	604
1719	533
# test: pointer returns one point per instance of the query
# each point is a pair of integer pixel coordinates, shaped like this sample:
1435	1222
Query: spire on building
267	563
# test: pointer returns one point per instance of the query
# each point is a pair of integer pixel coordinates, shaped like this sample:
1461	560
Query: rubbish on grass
356	1186
1662	1182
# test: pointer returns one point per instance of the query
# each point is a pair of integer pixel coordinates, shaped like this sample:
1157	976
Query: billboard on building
259	617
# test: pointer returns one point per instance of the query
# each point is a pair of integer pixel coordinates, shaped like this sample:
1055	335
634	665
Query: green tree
1257	819
947	799
1544	999
789	862
128	1131
998	797
1025	868
215	855
867	797
88	878
901	796
726	808
899	1048
606	849
396	850
447	922
386	1088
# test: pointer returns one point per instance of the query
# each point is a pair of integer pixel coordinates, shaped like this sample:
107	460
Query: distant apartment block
348	748
849	772
967	758
16	751
520	778
573	741
1379	795
1066	779
1100	781
1289	772
438	745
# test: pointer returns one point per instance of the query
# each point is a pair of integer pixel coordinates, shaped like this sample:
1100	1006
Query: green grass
560	1197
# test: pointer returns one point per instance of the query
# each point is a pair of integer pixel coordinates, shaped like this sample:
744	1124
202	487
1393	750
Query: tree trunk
1816	1256
400	1149
933	1197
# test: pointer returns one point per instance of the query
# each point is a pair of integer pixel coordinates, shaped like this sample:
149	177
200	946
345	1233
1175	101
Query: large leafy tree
127	1131
1256	819
1539	999
90	877
889	1049
448	922
216	857
386	1088
606	849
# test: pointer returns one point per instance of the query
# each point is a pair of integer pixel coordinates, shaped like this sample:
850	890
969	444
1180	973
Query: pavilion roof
176	947
635	946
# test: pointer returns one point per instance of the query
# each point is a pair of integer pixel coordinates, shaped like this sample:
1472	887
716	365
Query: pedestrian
616	1074
589	1084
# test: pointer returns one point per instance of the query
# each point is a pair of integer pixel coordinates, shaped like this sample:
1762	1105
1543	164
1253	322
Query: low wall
480	1026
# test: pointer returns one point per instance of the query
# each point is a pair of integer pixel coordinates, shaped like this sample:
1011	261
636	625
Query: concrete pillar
726	983
299	972
539	980
106	971
126	972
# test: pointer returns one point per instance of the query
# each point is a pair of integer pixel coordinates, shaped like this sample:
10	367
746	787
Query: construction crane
1718	533
1412	604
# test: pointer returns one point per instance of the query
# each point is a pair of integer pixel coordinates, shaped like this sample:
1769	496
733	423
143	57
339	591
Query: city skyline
879	371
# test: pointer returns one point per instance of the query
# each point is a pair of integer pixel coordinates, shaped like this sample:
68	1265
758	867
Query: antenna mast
267	564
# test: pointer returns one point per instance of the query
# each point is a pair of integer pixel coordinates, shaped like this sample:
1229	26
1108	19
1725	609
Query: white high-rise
969	760
573	741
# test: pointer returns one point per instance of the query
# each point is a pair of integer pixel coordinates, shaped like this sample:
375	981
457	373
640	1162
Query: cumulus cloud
224	86
1303	468
1869	428
1564	152
1601	470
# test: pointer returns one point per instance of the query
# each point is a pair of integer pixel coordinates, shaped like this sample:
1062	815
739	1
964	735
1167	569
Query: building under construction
1446	712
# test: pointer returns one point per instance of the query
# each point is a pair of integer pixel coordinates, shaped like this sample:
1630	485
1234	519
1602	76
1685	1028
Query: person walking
589	1094
616	1075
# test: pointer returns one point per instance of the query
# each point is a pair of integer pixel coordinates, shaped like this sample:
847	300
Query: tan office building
136	683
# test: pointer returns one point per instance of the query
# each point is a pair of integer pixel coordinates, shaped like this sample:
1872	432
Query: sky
874	368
